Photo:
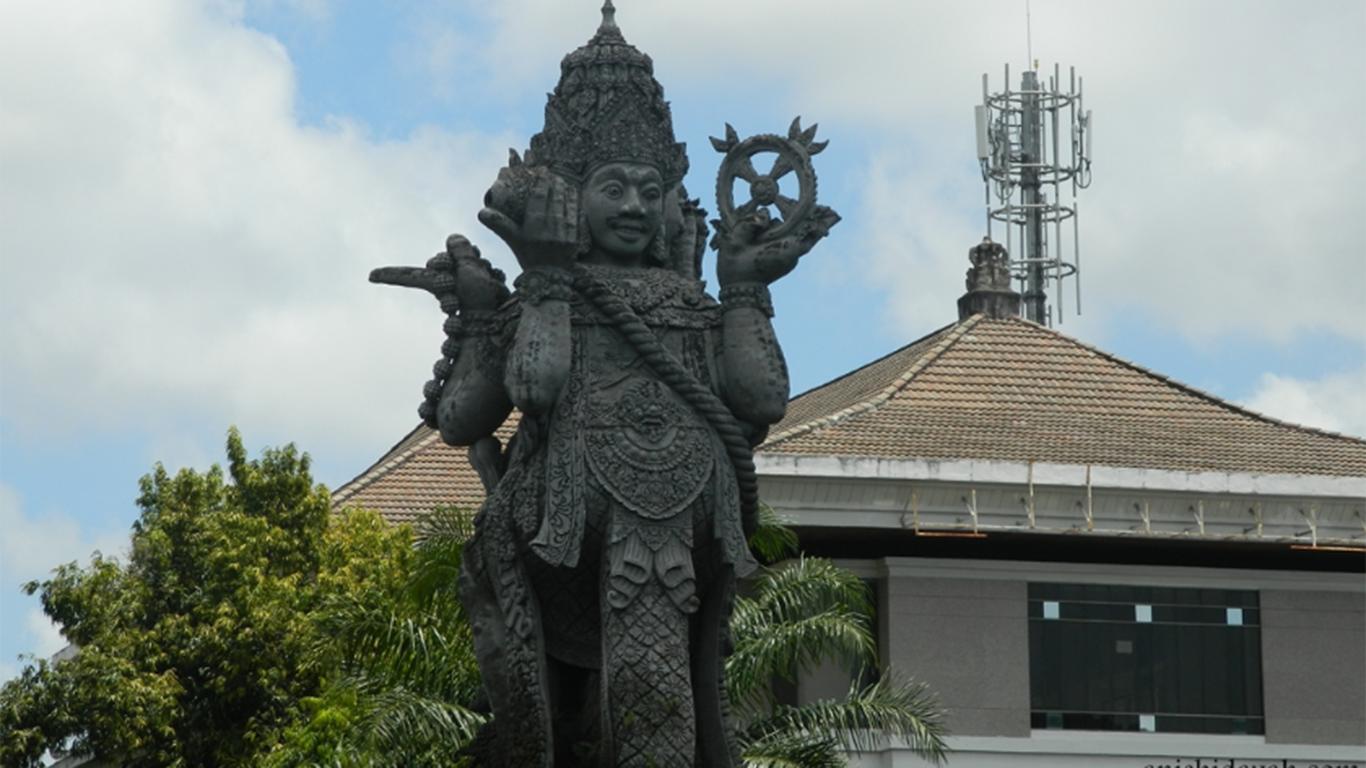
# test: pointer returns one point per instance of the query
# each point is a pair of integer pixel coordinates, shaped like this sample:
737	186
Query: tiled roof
417	475
1005	390
1011	390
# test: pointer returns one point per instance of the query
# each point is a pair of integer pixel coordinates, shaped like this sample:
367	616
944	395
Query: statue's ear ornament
791	154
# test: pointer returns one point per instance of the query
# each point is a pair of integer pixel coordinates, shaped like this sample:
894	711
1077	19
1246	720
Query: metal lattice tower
1034	145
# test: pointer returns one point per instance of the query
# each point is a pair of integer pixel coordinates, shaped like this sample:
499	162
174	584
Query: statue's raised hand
751	246
536	213
478	285
458	277
744	255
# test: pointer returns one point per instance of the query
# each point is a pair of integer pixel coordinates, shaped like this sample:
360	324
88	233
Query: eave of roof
419	438
947	391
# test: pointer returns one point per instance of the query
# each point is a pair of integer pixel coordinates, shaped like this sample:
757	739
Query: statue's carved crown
608	107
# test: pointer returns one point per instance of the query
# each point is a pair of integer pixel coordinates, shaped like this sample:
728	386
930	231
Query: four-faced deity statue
601	576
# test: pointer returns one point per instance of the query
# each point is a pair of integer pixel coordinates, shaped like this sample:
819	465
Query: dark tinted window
1130	658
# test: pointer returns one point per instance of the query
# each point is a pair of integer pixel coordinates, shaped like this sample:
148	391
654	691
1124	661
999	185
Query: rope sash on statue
682	382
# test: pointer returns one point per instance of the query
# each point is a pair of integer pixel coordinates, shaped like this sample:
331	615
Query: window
1127	658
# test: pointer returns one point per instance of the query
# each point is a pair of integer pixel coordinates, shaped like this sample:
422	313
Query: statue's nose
631	203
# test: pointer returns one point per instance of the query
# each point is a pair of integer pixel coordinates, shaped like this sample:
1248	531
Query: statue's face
624	206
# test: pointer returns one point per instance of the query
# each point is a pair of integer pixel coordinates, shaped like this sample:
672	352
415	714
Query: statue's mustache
629	219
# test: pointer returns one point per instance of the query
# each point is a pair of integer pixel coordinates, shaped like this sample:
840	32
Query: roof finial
988	284
609	17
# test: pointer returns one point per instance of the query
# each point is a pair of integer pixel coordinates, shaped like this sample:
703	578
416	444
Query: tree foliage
801	614
402	674
251	626
197	650
406	671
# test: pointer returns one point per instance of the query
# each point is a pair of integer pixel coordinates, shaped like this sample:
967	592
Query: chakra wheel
791	155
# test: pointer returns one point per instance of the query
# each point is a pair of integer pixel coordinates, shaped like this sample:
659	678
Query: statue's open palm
745	256
537	214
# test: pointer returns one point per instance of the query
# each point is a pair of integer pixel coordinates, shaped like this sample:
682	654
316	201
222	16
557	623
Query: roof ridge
873	362
952	333
1196	391
384	465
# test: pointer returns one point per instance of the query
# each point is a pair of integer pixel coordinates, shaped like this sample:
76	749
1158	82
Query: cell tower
1034	144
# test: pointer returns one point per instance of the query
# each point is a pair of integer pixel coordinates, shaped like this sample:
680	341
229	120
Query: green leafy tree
196	651
401	674
405	673
250	626
798	616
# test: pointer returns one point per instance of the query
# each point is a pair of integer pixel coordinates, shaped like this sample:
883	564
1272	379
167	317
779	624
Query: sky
192	194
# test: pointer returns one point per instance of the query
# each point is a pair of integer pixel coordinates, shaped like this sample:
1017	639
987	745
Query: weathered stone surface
988	284
601	575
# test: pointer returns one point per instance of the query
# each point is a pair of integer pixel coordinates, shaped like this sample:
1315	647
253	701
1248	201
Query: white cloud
1335	402
1228	158
176	245
35	544
313	10
47	635
175	242
32	545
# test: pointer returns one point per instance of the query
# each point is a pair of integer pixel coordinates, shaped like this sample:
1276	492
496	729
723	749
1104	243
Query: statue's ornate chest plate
646	448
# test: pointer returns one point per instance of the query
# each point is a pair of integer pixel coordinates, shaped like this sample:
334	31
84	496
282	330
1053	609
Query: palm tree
406	675
403	671
797	615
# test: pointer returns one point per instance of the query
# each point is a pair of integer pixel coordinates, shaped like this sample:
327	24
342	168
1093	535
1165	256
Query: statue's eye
611	191
651	193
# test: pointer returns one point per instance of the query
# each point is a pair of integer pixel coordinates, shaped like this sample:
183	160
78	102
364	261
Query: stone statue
600	579
990	270
988	282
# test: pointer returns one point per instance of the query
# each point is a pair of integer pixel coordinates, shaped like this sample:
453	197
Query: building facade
1091	564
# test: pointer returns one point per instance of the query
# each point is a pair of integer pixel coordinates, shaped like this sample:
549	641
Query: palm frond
792	750
403	725
809	585
429	651
797	616
440	548
772	541
766	651
893	707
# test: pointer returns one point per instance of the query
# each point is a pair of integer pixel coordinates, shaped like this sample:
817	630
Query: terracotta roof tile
417	475
1014	391
1005	390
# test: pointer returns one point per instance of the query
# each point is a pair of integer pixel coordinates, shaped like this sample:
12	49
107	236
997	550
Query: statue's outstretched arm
473	401
754	250
465	400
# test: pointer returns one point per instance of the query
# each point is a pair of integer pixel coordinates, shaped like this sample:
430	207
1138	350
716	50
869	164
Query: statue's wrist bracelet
540	284
752	295
471	322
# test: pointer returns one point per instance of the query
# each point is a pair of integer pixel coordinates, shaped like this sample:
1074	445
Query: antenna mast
1021	136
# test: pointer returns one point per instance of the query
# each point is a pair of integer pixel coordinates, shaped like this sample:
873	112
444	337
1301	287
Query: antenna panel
1034	147
983	148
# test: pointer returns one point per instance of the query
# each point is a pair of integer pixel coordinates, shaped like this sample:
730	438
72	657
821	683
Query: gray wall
967	638
962	627
1314	667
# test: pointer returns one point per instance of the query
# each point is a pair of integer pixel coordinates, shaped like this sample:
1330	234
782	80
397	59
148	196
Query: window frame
1160	687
